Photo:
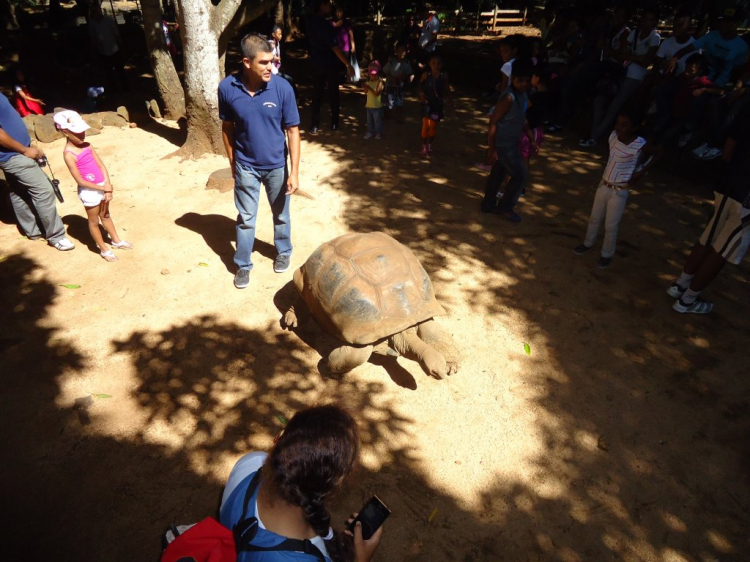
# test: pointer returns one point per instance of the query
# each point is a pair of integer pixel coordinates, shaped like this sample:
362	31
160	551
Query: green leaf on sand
69	286
527	349
432	515
203	264
281	419
102	395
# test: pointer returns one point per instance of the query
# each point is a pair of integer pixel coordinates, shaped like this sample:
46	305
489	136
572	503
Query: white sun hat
70	121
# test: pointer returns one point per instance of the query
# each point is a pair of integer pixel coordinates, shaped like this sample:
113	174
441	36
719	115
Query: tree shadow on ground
218	232
642	414
639	435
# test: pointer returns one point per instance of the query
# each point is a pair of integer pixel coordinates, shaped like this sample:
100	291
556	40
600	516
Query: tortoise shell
362	288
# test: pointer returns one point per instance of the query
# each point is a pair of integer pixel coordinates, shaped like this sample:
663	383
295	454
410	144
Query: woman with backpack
275	502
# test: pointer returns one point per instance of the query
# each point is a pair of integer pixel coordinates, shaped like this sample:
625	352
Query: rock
44	129
221	180
59	109
113	119
153	107
122	111
94	121
165	272
29	121
93	131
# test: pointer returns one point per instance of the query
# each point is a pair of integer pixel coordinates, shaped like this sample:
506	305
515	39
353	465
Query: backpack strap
247	528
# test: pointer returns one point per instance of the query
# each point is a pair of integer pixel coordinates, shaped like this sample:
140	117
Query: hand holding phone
372	516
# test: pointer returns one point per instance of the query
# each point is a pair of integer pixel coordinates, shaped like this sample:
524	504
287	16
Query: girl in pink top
94	187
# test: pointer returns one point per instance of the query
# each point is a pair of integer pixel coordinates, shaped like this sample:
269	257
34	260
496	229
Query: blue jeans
247	182
509	163
375	121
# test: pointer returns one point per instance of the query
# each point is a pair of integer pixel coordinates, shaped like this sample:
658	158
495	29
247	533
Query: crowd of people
649	97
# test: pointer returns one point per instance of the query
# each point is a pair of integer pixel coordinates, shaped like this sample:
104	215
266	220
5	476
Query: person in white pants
622	170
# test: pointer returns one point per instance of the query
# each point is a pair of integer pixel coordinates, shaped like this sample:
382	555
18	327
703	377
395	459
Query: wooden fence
497	18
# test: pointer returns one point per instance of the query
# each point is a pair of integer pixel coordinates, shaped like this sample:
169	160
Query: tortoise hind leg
434	335
408	344
348	357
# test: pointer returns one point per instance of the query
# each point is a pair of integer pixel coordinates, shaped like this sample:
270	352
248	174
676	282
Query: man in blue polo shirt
725	49
30	191
259	115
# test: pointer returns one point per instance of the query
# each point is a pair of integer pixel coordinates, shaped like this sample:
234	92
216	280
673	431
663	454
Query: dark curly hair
313	455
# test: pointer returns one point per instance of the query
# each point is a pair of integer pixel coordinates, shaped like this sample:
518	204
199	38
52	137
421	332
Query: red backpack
207	541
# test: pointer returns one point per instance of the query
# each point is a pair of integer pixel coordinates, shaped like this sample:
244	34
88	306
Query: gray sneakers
698	307
242	278
281	264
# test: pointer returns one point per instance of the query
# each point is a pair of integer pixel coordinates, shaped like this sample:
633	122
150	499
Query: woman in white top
637	55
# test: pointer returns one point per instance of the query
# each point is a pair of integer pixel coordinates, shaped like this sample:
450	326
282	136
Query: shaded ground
623	436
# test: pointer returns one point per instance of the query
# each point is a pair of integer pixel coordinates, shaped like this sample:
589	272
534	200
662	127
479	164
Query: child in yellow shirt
373	87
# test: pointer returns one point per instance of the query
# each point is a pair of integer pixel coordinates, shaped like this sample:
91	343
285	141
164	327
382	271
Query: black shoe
281	264
314	130
242	278
581	249
603	263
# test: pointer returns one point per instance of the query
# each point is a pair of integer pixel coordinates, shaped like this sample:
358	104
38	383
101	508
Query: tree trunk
8	10
167	80
290	30
206	29
278	17
200	44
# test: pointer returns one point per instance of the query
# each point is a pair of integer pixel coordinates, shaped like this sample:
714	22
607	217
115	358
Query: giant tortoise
369	290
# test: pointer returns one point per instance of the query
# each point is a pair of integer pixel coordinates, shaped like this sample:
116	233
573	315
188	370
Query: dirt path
623	435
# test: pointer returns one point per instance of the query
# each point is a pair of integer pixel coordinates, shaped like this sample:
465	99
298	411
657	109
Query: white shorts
90	197
728	231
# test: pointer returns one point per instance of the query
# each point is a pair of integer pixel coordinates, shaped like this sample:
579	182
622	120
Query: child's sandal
121	245
109	255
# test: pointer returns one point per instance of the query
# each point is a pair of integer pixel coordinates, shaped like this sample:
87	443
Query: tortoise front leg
348	357
297	315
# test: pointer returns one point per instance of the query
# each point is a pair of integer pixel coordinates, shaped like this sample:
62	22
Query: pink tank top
87	166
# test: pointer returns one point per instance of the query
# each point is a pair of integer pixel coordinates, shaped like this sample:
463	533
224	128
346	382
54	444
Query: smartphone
372	515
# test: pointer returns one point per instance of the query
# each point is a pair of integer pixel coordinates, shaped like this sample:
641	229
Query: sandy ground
622	436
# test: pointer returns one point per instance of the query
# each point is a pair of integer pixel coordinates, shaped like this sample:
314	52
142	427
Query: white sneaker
711	154
367	136
700	151
63	245
675	291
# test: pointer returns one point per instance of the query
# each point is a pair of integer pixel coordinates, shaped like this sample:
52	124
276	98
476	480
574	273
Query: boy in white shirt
622	171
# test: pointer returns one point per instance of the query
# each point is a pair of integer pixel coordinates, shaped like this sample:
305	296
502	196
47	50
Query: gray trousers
33	199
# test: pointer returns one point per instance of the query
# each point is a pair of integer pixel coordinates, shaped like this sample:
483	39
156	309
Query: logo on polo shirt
269	104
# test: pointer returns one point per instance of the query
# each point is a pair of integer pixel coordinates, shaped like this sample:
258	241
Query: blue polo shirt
260	121
13	125
724	55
